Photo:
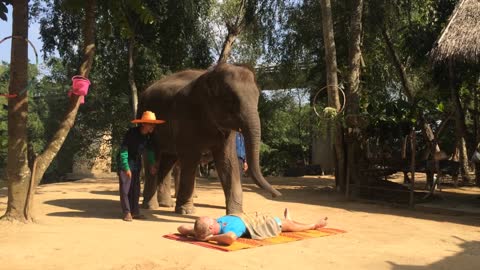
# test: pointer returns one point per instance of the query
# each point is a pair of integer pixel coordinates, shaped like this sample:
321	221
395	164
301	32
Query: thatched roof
460	40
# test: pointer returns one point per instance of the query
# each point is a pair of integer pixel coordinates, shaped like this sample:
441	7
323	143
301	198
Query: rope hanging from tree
8	95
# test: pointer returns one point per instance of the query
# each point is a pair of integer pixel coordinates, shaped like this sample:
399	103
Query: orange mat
244	243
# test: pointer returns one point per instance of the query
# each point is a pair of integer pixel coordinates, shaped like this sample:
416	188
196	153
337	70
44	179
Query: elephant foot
166	202
150	206
185	210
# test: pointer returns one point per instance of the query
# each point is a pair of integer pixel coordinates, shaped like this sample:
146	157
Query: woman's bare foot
322	223
286	214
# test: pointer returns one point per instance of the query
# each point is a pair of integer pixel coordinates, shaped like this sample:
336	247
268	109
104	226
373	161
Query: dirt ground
79	227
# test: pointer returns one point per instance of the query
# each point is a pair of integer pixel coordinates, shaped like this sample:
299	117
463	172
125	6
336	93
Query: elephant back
159	96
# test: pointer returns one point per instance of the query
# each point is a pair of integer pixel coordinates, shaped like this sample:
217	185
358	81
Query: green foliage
3	9
171	35
47	100
286	130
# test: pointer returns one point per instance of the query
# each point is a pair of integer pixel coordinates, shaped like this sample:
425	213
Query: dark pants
130	192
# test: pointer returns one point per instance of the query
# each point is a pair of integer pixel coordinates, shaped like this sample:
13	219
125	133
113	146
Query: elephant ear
212	92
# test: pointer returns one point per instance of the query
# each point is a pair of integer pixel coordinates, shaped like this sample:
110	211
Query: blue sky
33	36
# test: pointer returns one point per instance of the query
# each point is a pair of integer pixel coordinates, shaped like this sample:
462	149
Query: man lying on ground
226	229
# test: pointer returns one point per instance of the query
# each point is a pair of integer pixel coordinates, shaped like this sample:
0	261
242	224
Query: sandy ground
79	227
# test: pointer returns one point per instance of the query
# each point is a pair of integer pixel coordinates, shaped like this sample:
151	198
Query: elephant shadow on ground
103	209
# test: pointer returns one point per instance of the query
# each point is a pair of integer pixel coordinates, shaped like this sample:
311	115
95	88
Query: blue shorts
279	221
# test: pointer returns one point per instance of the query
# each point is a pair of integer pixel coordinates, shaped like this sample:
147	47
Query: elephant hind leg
157	190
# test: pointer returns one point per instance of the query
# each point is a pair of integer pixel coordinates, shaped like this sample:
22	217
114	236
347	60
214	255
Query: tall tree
21	194
353	90
129	15
242	20
18	173
333	89
234	16
3	9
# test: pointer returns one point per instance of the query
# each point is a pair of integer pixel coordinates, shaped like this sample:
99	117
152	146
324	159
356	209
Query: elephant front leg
186	186
150	191
228	170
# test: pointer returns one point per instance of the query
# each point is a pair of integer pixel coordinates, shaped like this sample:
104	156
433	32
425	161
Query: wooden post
413	142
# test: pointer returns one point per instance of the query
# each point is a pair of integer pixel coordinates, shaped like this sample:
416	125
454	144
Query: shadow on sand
106	209
317	191
466	259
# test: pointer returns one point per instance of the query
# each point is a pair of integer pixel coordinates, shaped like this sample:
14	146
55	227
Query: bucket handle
79	77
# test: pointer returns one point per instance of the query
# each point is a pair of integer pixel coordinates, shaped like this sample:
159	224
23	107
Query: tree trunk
227	47
43	160
355	55
409	92
234	29
353	88
131	76
460	126
18	173
332	86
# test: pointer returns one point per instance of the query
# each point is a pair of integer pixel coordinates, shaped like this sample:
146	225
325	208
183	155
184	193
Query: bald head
203	227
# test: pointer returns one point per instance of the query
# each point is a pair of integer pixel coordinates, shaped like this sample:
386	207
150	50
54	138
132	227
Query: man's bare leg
289	225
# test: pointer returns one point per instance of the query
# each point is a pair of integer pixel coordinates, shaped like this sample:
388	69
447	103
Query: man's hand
245	166
129	174
206	238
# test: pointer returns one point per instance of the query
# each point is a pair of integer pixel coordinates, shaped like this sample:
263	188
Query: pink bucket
80	85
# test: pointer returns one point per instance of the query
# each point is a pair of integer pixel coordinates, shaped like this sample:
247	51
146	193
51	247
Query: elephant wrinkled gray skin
202	110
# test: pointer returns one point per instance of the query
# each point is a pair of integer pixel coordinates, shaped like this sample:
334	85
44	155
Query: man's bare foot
322	223
128	217
286	214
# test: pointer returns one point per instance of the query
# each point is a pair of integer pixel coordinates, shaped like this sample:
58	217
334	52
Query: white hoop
323	88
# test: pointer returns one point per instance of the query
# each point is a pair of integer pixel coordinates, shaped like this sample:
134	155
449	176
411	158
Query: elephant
203	109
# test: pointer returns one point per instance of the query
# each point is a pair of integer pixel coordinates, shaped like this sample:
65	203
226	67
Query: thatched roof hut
460	40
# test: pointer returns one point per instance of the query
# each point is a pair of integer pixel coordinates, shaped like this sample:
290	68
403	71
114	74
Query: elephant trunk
251	132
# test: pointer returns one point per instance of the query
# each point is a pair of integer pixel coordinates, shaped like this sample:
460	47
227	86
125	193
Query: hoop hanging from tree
319	91
8	95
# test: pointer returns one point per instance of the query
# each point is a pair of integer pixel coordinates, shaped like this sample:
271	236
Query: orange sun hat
148	117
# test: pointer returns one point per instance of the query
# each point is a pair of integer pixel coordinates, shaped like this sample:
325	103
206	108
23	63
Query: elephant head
228	94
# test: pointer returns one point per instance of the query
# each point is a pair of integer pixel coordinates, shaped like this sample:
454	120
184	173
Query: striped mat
244	243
